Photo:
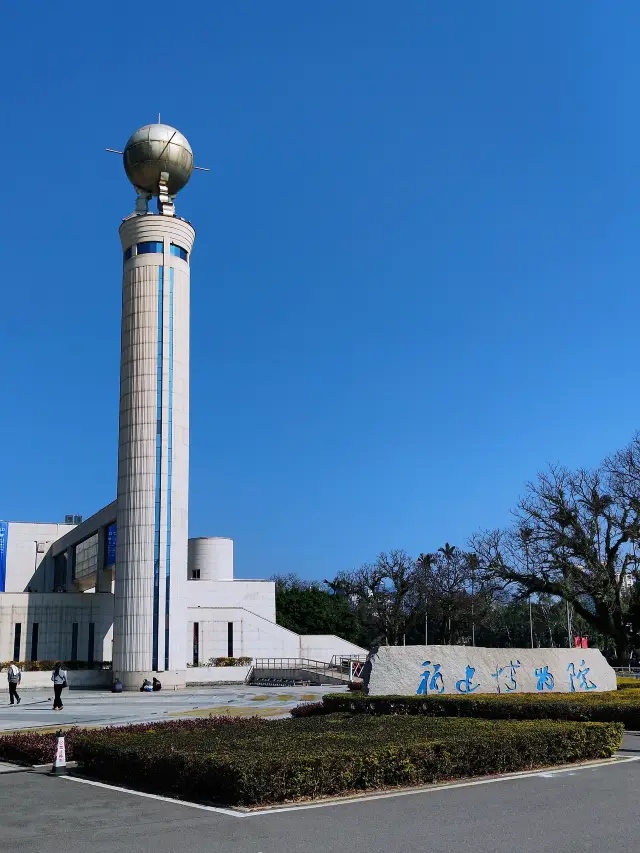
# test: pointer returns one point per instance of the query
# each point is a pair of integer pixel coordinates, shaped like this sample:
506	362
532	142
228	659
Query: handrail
290	663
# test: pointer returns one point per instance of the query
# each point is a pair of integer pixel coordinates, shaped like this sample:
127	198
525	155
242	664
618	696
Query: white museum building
57	599
127	585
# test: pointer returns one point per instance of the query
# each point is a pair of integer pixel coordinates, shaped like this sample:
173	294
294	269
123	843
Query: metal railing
340	666
293	663
632	671
344	662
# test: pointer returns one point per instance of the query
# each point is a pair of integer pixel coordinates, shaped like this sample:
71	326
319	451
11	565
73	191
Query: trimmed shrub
47	665
622	707
37	748
331	754
628	683
224	661
308	709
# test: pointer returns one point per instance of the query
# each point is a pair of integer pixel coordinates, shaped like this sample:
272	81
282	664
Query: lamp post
530	621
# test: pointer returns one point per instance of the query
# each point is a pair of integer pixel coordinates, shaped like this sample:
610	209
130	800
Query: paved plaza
572	810
587	810
98	708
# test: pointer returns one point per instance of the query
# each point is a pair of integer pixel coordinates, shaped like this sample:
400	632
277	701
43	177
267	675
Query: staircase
289	672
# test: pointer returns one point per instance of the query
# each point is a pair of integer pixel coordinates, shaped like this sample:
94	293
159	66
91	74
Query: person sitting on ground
156	685
146	686
117	686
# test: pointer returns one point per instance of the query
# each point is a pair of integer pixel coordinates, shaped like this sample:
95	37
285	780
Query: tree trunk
622	649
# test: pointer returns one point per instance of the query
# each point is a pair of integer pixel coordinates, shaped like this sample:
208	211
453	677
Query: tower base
170	680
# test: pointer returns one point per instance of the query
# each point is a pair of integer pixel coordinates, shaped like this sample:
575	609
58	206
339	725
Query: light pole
530	621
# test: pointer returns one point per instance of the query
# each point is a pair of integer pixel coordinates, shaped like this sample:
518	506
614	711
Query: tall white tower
153	448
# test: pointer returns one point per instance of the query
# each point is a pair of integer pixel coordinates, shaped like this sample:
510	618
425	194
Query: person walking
14	677
59	678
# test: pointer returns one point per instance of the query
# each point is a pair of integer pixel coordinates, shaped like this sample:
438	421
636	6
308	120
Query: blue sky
415	280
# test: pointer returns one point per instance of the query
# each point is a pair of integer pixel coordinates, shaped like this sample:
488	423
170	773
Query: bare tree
573	538
382	593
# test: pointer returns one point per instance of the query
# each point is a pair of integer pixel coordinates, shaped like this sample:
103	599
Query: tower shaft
153	451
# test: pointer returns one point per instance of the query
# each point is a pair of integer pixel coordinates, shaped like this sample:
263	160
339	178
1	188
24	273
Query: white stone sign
467	670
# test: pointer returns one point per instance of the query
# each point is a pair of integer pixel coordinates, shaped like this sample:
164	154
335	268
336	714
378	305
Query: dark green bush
622	707
37	747
273	761
47	665
308	709
224	661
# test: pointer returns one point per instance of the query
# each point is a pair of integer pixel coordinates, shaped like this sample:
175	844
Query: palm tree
449	552
425	563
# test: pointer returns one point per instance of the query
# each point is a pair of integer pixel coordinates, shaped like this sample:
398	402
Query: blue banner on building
111	544
4	536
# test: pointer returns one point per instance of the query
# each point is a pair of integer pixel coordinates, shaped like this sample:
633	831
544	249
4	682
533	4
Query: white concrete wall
256	637
24	558
211	557
55	614
217	674
324	646
259	597
78	679
253	636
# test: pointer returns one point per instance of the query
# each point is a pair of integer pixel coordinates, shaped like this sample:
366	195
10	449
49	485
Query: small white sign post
59	767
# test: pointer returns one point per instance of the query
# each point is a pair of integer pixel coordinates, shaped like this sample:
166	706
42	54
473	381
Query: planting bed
245	762
621	706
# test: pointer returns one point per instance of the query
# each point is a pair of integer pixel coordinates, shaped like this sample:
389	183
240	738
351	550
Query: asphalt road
578	811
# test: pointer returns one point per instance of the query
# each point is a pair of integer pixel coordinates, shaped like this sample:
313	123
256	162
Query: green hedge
48	665
628	683
621	707
268	762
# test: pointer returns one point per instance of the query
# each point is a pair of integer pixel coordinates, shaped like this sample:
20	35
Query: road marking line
218	809
357	798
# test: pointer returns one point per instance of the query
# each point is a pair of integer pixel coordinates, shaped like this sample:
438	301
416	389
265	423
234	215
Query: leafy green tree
306	608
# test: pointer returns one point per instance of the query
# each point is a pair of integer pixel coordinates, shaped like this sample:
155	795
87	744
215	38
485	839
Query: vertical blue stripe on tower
169	472
156	549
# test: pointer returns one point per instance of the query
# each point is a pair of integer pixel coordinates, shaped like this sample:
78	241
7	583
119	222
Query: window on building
195	574
74	641
230	639
128	253
150	247
196	643
92	641
179	252
34	641
86	558
17	634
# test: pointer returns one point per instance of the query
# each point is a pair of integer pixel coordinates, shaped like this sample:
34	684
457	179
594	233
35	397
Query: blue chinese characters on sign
4	536
578	680
432	682
545	680
465	684
505	676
